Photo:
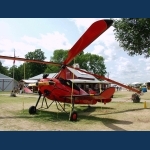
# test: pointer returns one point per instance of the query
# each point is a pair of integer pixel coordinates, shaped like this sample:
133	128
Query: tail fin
107	94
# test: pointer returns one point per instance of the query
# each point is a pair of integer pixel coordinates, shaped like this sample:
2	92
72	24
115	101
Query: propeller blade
93	32
29	60
109	80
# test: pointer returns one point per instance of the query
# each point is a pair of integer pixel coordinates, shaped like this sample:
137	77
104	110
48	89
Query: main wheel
32	110
73	116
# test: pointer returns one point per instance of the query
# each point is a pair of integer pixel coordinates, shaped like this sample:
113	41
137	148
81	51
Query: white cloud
49	42
125	71
145	63
31	40
56	40
98	49
7	47
107	54
125	66
147	68
83	23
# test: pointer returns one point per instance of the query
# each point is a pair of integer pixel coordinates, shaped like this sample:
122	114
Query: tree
58	57
35	68
3	70
133	35
23	71
17	73
90	62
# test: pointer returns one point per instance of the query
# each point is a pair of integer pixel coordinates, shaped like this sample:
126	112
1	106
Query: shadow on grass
108	122
91	108
84	118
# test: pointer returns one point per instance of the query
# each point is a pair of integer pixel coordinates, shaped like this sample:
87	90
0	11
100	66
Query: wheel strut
73	114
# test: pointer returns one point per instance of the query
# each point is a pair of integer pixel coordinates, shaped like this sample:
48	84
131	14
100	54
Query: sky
48	34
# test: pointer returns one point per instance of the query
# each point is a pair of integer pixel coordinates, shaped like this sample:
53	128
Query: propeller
29	60
93	32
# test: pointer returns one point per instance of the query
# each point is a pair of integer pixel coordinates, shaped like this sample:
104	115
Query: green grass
118	96
86	115
18	99
61	117
3	92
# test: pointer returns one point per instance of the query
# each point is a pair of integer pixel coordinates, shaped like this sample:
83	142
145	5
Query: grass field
119	115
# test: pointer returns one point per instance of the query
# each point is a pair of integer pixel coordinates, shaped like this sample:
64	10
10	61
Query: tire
32	110
74	116
135	98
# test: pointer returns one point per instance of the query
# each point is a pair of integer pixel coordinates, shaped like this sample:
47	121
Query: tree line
90	62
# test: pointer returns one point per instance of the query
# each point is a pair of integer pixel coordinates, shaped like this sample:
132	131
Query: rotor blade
93	32
109	80
29	60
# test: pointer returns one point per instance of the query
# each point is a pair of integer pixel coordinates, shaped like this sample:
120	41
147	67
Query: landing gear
73	116
32	110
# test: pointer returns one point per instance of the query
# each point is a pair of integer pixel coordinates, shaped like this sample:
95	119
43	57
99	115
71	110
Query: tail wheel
32	110
74	116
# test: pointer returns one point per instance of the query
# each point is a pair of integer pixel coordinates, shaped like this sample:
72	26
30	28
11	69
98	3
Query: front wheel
32	110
